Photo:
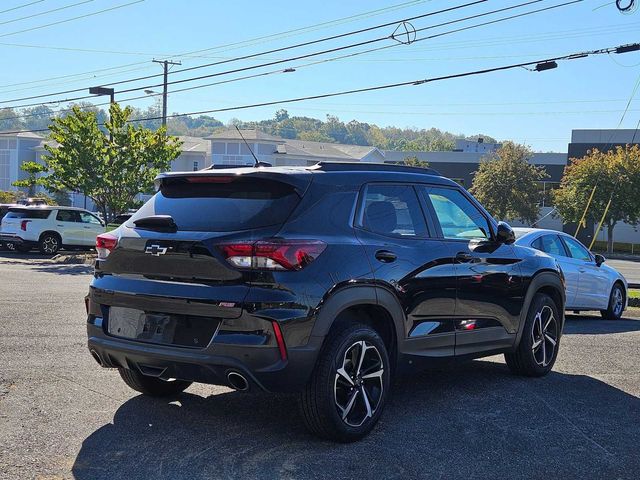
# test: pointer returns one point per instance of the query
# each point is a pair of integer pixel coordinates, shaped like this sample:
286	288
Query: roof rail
371	167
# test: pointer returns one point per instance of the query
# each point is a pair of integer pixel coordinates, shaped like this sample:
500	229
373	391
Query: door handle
86	227
464	257
385	256
582	270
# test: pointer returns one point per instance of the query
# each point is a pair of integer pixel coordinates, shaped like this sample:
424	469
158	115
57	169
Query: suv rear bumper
13	238
211	365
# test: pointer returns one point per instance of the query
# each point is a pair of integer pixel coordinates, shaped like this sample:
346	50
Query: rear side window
68	216
550	244
221	204
393	210
459	219
34	214
576	249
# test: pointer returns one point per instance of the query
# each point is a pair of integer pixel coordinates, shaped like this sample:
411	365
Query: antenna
257	164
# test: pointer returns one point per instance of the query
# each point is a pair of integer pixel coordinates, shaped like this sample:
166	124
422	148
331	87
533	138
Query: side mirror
505	234
599	259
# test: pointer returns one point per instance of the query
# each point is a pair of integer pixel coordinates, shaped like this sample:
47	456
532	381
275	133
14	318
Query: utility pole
165	66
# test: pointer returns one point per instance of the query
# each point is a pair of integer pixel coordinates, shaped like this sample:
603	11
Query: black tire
327	388
617	299
49	243
152	386
23	248
541	333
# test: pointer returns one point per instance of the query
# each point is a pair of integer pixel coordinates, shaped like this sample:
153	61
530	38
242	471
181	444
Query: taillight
23	225
104	244
273	254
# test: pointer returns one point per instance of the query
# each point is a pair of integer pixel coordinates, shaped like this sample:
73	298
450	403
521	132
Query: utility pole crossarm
165	66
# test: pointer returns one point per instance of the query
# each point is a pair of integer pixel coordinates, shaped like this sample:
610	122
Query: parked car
32	202
590	284
327	281
4	208
120	219
49	228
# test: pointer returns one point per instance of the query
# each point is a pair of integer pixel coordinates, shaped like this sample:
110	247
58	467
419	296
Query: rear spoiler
300	179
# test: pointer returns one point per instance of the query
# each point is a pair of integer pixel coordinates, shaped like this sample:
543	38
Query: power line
21	6
71	19
241	44
324	39
485	71
326	51
45	12
317	62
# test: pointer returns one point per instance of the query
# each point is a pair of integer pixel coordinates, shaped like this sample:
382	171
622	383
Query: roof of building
195	144
22	135
325	150
248	134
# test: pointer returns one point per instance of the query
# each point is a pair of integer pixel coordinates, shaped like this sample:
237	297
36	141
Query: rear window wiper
160	223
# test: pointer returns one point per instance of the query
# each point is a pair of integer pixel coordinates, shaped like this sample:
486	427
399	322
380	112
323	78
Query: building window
545	190
218	148
5	170
233	148
266	149
196	166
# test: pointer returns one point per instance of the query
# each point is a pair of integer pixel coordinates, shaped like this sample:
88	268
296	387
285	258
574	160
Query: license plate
162	328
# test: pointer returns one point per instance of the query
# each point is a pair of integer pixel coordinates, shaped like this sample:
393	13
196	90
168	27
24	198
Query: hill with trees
331	129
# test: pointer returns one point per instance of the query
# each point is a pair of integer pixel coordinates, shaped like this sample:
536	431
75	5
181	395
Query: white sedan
590	284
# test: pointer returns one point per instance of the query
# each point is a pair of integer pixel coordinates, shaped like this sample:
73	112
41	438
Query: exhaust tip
238	381
97	357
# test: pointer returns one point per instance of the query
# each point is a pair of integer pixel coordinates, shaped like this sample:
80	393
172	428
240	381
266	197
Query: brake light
23	225
273	254
205	179
105	243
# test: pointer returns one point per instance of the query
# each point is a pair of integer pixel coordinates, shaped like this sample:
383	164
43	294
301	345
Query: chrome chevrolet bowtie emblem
155	250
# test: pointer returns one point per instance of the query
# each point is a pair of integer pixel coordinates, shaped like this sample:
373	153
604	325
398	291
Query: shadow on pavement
471	421
63	269
585	325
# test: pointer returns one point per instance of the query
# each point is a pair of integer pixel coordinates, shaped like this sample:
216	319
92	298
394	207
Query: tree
281	115
33	170
8	197
109	171
507	184
8	120
412	161
616	175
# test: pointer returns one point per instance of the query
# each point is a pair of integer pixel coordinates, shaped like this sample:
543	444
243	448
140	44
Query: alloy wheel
618	301
50	245
545	336
358	385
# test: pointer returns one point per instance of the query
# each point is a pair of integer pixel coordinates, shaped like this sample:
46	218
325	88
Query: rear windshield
234	204
28	214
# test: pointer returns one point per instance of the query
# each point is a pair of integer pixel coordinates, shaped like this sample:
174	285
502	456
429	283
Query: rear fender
347	297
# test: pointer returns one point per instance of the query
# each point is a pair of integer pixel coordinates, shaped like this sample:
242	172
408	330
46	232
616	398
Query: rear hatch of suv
17	219
171	259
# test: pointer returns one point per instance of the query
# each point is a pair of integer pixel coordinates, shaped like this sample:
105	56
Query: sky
536	108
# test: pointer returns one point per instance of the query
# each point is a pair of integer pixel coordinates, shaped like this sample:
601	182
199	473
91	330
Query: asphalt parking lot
61	416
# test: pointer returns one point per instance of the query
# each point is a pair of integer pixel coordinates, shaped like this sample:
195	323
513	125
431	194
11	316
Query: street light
109	92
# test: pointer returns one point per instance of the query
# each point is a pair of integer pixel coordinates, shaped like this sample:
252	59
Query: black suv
328	281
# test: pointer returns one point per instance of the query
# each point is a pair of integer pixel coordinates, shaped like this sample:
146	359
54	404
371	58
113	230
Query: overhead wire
484	71
241	69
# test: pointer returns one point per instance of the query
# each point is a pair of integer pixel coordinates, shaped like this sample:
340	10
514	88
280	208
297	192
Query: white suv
49	228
